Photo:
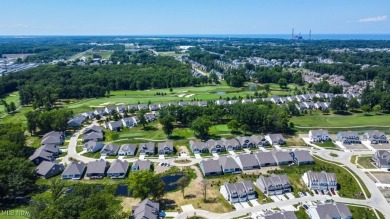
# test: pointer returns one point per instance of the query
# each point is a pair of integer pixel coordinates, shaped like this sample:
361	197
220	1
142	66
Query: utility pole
292	34
310	34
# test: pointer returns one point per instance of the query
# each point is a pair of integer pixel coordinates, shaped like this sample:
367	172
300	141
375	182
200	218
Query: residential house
302	157
381	159
130	121
349	137
44	153
279	215
231	144
121	109
215	146
127	150
93	136
221	102
202	103
265	159
375	137
210	167
49	169
182	103
162	105
329	210
320	180
165	147
259	141
282	157
275	139
246	142
114	126
53	138
173	104
94	128
244	101
141	165
146	148
247	161
132	107
74	170
229	165
93	146
198	147
274	184
153	107
238	192
142	106
99	112
97	169
150	117
146	209
118	169
109	110
109	150
319	135
231	102
76	121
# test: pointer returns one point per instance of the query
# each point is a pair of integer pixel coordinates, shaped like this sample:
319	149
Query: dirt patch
128	203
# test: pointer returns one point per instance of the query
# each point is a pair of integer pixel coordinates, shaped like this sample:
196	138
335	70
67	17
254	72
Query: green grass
365	162
349	188
363	212
92	155
19	212
17	117
301	214
326	144
333	120
12	97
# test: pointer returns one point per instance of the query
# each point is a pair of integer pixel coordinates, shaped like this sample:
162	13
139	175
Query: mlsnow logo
15	213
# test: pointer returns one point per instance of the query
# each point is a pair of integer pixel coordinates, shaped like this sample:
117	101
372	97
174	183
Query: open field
12	97
103	54
354	121
364	212
365	162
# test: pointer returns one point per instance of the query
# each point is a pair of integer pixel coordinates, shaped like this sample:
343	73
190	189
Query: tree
183	182
282	83
32	122
142	119
167	124
353	104
205	185
377	108
145	183
233	125
57	188
245	128
366	109
267	88
339	104
201	127
12	106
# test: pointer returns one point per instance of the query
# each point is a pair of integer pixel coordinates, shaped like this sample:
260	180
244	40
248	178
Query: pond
170	181
221	92
252	87
122	190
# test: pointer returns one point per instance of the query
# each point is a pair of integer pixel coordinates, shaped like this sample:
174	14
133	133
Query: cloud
373	19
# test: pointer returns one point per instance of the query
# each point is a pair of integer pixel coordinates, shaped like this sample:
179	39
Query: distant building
238	192
318	135
382	159
320	180
274	184
330	210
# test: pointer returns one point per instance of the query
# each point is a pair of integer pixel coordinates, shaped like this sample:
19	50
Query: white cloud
373	19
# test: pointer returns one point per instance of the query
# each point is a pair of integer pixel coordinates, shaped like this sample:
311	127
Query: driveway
237	206
290	195
254	202
197	156
245	205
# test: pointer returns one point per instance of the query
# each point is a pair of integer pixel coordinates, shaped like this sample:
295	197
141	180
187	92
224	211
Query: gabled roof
280	215
303	156
46	166
98	166
94	128
74	168
210	166
330	211
228	163
110	148
265	157
319	132
128	147
146	210
232	142
118	166
44	151
92	144
92	136
248	160
162	145
142	164
275	180
282	156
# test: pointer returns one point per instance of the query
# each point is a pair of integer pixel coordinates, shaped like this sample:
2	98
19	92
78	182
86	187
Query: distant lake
221	92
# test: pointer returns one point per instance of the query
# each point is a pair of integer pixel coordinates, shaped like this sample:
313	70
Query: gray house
275	139
49	169
247	162
320	180
165	147
127	150
93	136
265	159
74	170
280	215
114	126
231	144
142	106
141	165
229	165
375	137
94	128
246	142
198	147
210	167
109	150
118	169
282	157
349	137
146	148
97	169
215	146
238	192
259	140
330	210
93	146
301	157
274	184
43	153
146	209
53	138
382	159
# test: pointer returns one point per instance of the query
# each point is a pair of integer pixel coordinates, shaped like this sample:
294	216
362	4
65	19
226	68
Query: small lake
170	181
122	190
221	92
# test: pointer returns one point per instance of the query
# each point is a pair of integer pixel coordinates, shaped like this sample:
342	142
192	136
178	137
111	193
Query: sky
186	17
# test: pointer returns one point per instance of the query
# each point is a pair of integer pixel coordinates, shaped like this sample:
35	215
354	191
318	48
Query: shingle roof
146	210
248	160
210	166
46	166
265	157
74	168
303	156
98	166
330	211
118	166
228	163
142	164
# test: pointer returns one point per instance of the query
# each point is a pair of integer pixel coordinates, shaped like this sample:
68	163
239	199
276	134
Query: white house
319	135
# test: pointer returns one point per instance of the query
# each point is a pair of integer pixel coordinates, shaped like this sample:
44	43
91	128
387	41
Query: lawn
326	144
17	117
301	214
365	162
363	212
318	120
12	97
349	188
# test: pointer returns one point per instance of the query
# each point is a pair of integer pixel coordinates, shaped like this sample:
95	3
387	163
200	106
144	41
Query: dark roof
303	156
280	215
46	167
210	166
248	160
146	209
142	164
228	163
265	157
98	166
118	166
74	168
330	211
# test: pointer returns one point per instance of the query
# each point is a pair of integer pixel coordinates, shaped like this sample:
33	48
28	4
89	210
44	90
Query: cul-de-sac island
151	126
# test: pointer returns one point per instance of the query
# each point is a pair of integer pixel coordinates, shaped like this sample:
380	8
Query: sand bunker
190	95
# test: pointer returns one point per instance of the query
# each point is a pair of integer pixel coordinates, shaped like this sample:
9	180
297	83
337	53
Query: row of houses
238	143
350	137
130	121
242	162
112	149
276	185
94	170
